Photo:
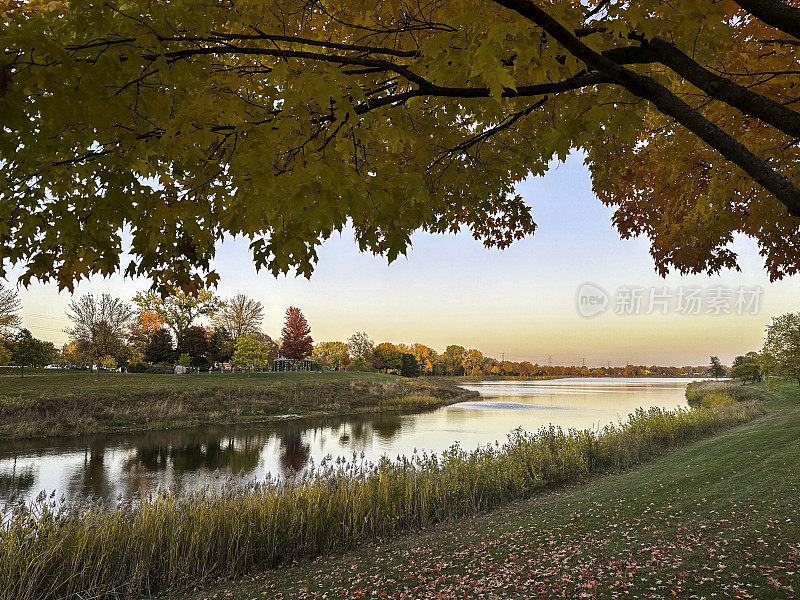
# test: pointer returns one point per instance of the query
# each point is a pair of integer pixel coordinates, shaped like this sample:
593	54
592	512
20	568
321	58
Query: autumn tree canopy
176	309
181	122
239	315
99	324
296	341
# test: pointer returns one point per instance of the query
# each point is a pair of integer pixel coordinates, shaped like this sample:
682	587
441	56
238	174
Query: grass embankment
173	540
719	518
78	402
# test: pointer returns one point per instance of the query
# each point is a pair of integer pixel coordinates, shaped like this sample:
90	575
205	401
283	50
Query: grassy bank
78	402
714	519
719	393
174	540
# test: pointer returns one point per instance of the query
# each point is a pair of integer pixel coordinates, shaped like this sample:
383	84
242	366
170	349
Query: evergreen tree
159	349
194	342
410	366
220	345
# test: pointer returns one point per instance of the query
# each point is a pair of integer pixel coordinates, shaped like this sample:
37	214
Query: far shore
68	403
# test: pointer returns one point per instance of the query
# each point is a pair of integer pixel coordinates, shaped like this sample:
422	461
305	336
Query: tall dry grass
718	393
90	552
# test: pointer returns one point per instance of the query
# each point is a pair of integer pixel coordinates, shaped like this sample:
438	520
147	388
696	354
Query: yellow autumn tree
284	121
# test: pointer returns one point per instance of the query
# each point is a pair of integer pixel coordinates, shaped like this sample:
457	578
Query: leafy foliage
409	367
5	353
333	355
9	307
160	349
283	121
746	372
781	353
296	341
386	356
717	370
100	325
360	346
177	309
27	351
249	352
220	345
194	342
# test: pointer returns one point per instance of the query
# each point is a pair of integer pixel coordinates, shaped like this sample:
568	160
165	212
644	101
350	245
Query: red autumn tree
296	342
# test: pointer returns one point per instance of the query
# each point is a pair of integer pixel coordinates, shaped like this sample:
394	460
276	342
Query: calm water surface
129	465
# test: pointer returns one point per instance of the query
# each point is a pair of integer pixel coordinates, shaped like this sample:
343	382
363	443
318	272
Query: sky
521	303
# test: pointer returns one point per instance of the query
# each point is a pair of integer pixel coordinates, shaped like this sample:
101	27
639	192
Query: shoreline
257	401
422	408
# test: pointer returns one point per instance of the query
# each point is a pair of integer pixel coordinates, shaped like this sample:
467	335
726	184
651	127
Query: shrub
359	363
747	372
696	391
715	399
137	368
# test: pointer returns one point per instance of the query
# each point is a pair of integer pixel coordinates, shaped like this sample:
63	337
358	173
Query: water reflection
16	482
294	454
130	465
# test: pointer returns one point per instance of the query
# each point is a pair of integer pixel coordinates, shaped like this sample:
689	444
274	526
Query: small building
290	364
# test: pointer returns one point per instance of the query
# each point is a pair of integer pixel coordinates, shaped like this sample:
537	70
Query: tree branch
569	84
776	13
667	102
720	88
217	37
402	70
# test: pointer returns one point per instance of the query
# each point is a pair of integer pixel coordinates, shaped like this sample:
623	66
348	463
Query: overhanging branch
667	102
778	14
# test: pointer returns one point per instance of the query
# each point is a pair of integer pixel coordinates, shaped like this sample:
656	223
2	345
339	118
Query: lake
127	466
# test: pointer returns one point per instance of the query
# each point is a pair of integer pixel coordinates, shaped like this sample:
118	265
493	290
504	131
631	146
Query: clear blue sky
520	302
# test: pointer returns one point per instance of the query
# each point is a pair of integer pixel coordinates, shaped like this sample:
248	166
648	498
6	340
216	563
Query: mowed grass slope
76	402
716	519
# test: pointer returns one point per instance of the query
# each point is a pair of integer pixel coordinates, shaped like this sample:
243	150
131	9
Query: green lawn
47	403
73	382
715	519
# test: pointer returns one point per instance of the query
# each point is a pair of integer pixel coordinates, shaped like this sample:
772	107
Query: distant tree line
361	353
156	332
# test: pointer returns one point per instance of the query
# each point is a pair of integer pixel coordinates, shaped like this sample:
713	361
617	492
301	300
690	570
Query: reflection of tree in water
90	480
358	432
387	426
190	452
294	453
139	463
16	482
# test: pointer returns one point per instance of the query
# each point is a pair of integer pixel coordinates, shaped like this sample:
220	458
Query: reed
52	551
718	393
